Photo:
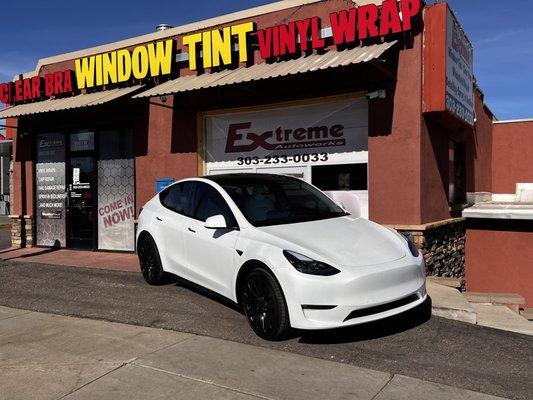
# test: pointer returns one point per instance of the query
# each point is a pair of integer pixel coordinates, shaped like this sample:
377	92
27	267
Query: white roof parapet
513	121
493	210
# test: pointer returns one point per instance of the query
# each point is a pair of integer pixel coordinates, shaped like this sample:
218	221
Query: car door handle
192	230
159	219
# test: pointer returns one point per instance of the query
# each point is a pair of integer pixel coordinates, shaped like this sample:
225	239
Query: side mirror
216	222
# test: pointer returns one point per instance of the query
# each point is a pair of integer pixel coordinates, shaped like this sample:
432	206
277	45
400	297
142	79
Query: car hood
345	241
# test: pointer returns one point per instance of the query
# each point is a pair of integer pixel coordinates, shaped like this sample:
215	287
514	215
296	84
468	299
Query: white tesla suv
282	250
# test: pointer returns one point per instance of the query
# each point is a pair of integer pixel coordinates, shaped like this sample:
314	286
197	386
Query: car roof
244	178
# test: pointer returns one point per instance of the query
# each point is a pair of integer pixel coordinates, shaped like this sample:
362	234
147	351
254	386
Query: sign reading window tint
116	191
50	190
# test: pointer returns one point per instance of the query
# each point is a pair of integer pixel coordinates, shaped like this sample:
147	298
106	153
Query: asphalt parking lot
438	350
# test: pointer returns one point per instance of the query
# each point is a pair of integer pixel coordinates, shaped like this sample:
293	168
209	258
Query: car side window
212	203
178	198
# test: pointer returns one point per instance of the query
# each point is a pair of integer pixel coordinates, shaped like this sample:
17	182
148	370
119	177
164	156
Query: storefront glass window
341	177
82	141
50	190
116	191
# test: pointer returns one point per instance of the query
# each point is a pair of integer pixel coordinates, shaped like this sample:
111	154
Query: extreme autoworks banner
288	135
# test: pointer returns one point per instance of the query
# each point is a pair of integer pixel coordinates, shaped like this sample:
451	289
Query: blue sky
502	34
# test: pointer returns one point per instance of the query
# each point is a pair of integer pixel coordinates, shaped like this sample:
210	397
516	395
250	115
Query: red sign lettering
283	138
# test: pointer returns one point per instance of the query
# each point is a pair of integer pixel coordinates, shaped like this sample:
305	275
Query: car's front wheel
150	261
264	305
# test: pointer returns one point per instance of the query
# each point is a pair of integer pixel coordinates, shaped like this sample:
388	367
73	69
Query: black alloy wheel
264	305
150	261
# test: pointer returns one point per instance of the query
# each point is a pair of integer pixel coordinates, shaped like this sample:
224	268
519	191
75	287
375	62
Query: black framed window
178	198
209	202
456	173
341	177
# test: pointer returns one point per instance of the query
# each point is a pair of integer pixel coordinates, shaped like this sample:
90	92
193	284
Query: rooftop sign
218	48
448	66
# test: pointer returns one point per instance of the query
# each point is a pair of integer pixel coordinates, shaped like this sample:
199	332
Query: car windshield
275	200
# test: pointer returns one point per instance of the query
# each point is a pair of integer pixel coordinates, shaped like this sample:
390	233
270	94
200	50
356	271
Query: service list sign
459	71
50	190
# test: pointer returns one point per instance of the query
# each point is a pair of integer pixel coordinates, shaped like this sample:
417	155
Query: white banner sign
287	135
459	72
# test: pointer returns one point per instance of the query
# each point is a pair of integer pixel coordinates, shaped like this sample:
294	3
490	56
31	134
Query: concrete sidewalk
73	258
45	356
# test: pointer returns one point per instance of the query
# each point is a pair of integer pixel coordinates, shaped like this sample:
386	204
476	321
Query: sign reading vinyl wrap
303	134
459	71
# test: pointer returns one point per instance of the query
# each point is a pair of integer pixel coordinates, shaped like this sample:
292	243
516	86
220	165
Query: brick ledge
428	226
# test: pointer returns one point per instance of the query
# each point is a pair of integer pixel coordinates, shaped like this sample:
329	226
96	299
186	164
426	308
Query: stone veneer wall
443	246
22	231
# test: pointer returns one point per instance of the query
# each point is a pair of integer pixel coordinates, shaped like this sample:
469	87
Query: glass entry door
81	196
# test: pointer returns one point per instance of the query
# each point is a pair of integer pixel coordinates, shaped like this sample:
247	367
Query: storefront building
374	102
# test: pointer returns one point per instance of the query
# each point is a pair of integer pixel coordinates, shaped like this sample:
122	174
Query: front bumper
355	296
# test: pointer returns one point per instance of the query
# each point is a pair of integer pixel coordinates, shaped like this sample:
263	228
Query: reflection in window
341	177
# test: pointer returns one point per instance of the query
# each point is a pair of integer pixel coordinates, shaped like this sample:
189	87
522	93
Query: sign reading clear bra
296	134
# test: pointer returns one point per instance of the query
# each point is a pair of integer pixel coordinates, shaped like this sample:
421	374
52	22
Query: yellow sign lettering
85	72
98	64
153	59
160	58
191	41
221	47
241	31
139	62
207	49
109	68
217	45
124	65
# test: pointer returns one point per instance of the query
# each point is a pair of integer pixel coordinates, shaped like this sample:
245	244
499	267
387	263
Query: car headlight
414	250
307	265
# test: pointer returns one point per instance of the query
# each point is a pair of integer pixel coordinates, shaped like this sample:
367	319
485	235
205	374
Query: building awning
67	103
256	72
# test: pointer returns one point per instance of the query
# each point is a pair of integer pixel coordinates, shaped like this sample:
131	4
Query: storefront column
23	190
394	145
168	148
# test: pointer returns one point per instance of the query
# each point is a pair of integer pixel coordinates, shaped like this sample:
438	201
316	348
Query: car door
211	254
169	223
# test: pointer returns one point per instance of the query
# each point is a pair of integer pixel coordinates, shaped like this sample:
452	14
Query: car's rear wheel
264	305
150	261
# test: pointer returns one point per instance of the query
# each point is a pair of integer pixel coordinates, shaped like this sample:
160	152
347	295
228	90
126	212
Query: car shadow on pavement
372	330
187	285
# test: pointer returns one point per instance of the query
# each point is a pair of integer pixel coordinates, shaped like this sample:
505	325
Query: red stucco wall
479	149
22	196
394	145
513	155
499	257
167	149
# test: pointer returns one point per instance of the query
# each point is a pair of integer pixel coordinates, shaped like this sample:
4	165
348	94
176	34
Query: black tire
150	261
264	305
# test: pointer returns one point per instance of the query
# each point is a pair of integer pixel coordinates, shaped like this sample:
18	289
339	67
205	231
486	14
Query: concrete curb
449	303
